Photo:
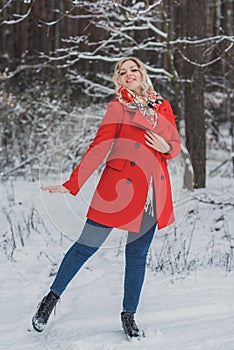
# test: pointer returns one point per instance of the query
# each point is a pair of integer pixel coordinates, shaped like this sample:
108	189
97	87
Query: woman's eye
134	70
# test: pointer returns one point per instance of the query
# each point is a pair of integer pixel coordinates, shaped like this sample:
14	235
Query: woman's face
130	76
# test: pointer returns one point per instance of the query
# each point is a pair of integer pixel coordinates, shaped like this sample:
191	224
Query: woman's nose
129	73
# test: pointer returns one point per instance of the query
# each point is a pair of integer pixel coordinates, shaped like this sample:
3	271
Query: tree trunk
194	91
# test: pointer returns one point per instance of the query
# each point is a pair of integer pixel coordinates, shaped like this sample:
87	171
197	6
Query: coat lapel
139	119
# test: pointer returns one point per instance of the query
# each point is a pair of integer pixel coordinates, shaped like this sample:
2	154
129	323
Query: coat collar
139	119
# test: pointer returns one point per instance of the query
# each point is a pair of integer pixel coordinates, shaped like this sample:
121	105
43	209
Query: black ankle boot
129	325
44	310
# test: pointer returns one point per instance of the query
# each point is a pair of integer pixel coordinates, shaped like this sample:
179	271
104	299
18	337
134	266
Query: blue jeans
92	237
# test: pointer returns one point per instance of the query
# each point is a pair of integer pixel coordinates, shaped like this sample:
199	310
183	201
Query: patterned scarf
147	103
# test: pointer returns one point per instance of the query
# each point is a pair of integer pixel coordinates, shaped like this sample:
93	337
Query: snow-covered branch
91	88
52	23
24	67
137	7
191	41
6	5
156	30
21	17
202	65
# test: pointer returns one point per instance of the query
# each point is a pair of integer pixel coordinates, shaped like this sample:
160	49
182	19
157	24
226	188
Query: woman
134	193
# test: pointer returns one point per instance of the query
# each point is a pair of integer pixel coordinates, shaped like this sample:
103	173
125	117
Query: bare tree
194	91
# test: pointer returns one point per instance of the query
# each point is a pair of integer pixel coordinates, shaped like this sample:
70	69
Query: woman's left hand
55	189
157	142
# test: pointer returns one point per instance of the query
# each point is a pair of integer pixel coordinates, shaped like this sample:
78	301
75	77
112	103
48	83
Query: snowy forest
56	65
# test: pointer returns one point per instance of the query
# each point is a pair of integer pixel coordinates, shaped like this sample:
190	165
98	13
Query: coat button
137	145
128	181
162	177
132	163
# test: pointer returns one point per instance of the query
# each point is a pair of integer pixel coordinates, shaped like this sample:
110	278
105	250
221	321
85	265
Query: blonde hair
145	79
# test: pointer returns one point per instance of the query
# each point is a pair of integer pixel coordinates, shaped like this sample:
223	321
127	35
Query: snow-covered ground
188	296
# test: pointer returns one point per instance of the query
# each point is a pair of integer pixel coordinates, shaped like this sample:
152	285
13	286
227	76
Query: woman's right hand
55	189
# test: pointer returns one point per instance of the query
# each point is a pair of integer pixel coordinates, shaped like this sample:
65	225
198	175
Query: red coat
120	196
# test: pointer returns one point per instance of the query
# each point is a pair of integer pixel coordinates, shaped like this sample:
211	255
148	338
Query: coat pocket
117	164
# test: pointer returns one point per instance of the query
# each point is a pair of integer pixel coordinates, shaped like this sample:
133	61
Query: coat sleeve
173	136
98	149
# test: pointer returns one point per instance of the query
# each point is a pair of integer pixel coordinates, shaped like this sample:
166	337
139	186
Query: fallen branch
213	202
21	165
